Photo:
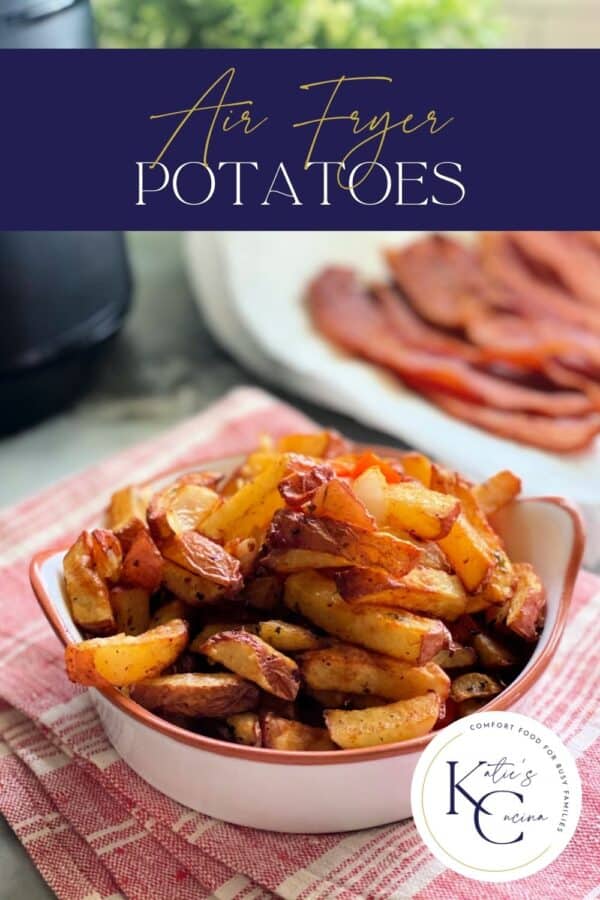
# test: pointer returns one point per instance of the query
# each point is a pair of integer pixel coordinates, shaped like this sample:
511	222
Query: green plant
296	23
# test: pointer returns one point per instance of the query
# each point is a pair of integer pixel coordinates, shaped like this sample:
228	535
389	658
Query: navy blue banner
236	139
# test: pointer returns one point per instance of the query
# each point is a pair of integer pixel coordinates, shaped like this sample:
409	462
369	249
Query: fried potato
354	670
201	556
468	553
423	590
305	444
211	628
285	636
246	551
492	653
456	657
249	656
182	505
131	607
125	659
88	595
400	721
474	685
143	564
263	592
294	531
171	609
197	694
498	491
336	500
126	505
395	633
192	589
286	561
246	729
284	734
107	555
417	466
425	513
526	609
251	508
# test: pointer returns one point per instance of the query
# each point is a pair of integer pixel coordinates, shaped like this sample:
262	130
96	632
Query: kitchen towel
95	830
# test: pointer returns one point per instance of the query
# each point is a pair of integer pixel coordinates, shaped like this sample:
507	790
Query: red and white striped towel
95	830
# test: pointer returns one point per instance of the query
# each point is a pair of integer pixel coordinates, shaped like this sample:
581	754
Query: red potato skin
284	684
304	480
143	564
200	555
527	605
106	553
438	638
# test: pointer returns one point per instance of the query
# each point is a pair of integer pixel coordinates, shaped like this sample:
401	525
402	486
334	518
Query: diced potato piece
526	608
249	656
201	556
336	500
417	466
492	653
286	561
423	590
371	489
474	685
285	734
393	632
424	513
252	507
285	636
197	694
172	609
388	724
106	554
246	729
305	444
88	595
126	505
131	607
354	670
498	491
143	564
468	552
193	589
125	659
292	530
182	505
477	602
456	657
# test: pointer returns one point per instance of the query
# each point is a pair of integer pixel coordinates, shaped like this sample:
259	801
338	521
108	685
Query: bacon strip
559	258
417	333
561	435
536	299
349	316
444	281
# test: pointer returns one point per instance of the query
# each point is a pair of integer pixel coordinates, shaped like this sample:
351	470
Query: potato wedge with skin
288	561
131	607
355	670
203	557
88	595
182	505
336	500
456	657
249	656
492	653
294	531
263	593
246	729
172	609
474	685
285	734
209	630
431	555
424	590
390	724
197	694
107	555
526	608
497	491
128	504
125	659
251	508
143	564
425	513
192	589
395	633
286	636
468	553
